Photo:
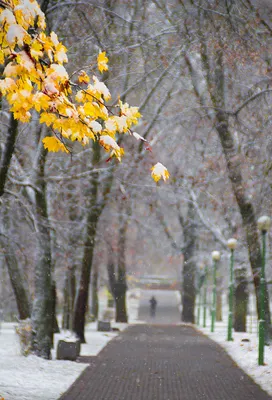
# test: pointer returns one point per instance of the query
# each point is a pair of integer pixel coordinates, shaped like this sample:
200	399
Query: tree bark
65	313
188	274
215	84
92	220
95	304
240	300
15	275
120	302
118	289
17	283
112	282
55	301
219	304
234	162
246	208
219	317
70	277
83	292
121	286
9	149
69	299
42	321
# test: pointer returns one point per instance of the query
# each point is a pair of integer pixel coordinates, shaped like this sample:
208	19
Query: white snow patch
245	354
29	378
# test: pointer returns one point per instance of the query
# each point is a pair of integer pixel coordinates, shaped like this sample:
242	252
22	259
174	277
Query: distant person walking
153	305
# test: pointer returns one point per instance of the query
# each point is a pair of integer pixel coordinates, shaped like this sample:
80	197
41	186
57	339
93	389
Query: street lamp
232	244
215	258
263	226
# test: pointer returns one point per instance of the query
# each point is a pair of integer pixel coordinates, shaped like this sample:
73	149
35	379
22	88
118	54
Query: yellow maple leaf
54	144
47	118
110	144
83	77
132	114
36	50
60	54
94	111
101	88
7	85
2	60
159	171
102	61
111	126
41	101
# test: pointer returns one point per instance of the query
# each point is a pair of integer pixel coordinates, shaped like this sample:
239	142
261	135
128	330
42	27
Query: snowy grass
245	354
32	378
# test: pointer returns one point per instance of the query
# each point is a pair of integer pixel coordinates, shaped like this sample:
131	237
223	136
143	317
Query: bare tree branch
215	232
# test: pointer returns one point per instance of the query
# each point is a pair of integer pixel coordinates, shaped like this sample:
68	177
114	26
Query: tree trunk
17	282
95	304
219	304
92	220
65	315
8	151
188	275
83	292
42	307
120	289
215	83
112	282
15	275
42	321
70	277
120	302
240	300
69	299
54	306
246	209
234	162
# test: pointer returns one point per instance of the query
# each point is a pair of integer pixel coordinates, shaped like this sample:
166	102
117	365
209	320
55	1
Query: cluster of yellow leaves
34	78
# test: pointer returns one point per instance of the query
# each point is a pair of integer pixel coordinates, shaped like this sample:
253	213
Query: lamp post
263	226
232	244
200	283
215	258
205	296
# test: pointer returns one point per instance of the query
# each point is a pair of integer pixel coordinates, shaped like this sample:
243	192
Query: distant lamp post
215	258
232	244
200	283
205	283
263	226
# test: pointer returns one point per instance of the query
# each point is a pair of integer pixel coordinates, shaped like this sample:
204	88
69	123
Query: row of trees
200	73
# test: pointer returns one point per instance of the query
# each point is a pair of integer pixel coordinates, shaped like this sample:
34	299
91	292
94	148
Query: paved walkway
167	307
163	362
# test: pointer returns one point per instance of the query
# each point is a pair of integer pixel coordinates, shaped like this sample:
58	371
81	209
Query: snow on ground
32	378
245	354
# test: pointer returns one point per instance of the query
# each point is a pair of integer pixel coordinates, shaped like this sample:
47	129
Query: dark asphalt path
150	362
